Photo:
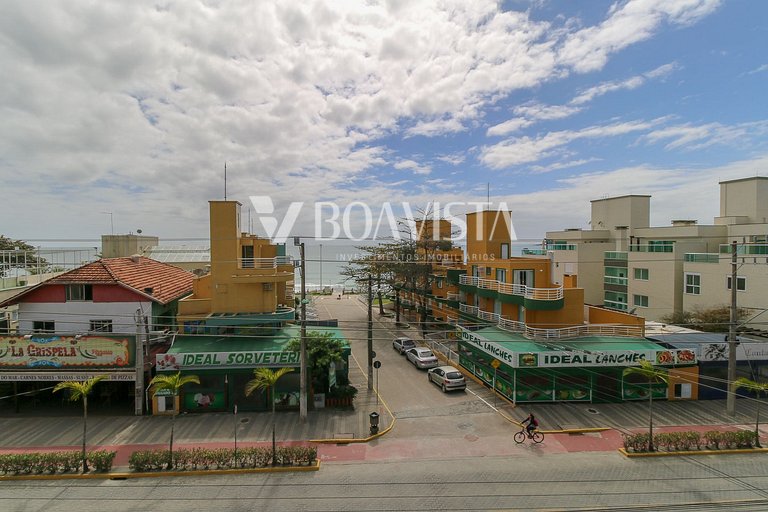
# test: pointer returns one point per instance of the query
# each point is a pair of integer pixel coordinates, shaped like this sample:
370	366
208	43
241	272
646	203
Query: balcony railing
533	252
615	255
746	249
452	296
670	247
702	257
561	247
513	289
264	263
535	333
615	280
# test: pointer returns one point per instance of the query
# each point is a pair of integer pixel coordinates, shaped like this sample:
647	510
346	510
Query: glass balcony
615	255
702	257
745	249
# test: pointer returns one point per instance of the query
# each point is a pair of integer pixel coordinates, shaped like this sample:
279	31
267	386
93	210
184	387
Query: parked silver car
421	357
447	377
403	343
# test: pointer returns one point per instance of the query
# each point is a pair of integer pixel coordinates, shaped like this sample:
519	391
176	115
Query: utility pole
370	332
139	358
730	401
303	355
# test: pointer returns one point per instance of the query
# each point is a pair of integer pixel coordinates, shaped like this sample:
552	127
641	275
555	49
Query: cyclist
532	424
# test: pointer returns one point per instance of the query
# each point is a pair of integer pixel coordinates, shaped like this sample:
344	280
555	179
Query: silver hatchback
447	377
422	357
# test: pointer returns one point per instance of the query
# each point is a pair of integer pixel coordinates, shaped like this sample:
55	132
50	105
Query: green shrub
52	462
101	460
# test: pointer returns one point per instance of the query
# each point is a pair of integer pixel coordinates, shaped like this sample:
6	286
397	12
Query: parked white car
447	377
422	357
403	343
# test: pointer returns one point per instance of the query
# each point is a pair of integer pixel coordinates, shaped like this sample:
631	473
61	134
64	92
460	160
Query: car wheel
444	390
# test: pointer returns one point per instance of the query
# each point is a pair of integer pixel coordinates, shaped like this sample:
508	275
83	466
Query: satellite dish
138	231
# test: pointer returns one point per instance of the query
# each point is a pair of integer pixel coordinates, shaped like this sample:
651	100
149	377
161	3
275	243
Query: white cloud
526	149
690	137
588	49
509	126
416	167
540	169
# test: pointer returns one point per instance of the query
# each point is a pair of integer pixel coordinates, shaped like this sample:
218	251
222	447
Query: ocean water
325	262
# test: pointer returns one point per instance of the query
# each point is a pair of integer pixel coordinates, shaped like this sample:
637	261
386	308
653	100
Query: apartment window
741	283
79	292
640	301
101	326
43	326
488	271
267	287
641	274
693	284
501	275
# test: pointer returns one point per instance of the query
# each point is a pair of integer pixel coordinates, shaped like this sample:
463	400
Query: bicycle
536	436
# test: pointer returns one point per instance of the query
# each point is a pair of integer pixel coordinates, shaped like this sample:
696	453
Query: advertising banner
65	352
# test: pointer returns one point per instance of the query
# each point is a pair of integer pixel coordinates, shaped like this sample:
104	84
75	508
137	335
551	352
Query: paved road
528	481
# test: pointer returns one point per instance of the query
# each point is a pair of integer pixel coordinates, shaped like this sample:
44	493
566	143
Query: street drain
593	411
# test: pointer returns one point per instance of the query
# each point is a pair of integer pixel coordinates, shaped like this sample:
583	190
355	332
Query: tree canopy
323	348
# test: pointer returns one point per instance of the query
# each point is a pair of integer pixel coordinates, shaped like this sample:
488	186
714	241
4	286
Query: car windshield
453	375
408	343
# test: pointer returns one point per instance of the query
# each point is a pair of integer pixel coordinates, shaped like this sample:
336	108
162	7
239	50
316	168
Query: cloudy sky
133	108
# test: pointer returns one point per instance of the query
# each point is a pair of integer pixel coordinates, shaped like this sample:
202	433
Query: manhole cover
593	411
245	420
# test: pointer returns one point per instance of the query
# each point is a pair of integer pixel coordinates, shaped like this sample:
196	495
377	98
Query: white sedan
421	357
447	377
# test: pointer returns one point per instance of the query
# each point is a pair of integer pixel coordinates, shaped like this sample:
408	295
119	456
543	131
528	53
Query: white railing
513	289
535	333
264	263
452	296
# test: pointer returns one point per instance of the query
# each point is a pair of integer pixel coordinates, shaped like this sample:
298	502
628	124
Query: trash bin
374	418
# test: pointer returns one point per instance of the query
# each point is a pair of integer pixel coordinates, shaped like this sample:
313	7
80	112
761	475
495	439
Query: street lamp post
303	335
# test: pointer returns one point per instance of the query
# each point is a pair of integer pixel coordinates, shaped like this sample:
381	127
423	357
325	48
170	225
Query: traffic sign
495	363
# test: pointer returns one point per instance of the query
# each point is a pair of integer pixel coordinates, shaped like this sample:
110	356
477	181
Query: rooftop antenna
225	180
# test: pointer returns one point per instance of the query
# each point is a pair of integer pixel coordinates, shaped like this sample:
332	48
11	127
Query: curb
194	472
630	455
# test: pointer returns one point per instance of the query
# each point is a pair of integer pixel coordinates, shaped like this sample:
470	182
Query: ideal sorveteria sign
211	360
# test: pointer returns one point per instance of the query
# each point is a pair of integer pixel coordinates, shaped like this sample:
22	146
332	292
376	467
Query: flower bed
691	440
221	458
39	463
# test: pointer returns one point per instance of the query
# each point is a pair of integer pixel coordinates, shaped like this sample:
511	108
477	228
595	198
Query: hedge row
54	462
691	440
221	458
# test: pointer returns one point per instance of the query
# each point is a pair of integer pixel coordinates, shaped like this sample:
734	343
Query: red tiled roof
138	273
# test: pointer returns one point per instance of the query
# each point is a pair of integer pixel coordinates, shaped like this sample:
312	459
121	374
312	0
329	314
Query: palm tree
172	383
757	387
78	390
266	378
652	374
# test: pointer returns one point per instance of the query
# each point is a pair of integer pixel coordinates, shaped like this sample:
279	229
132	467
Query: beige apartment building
624	263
